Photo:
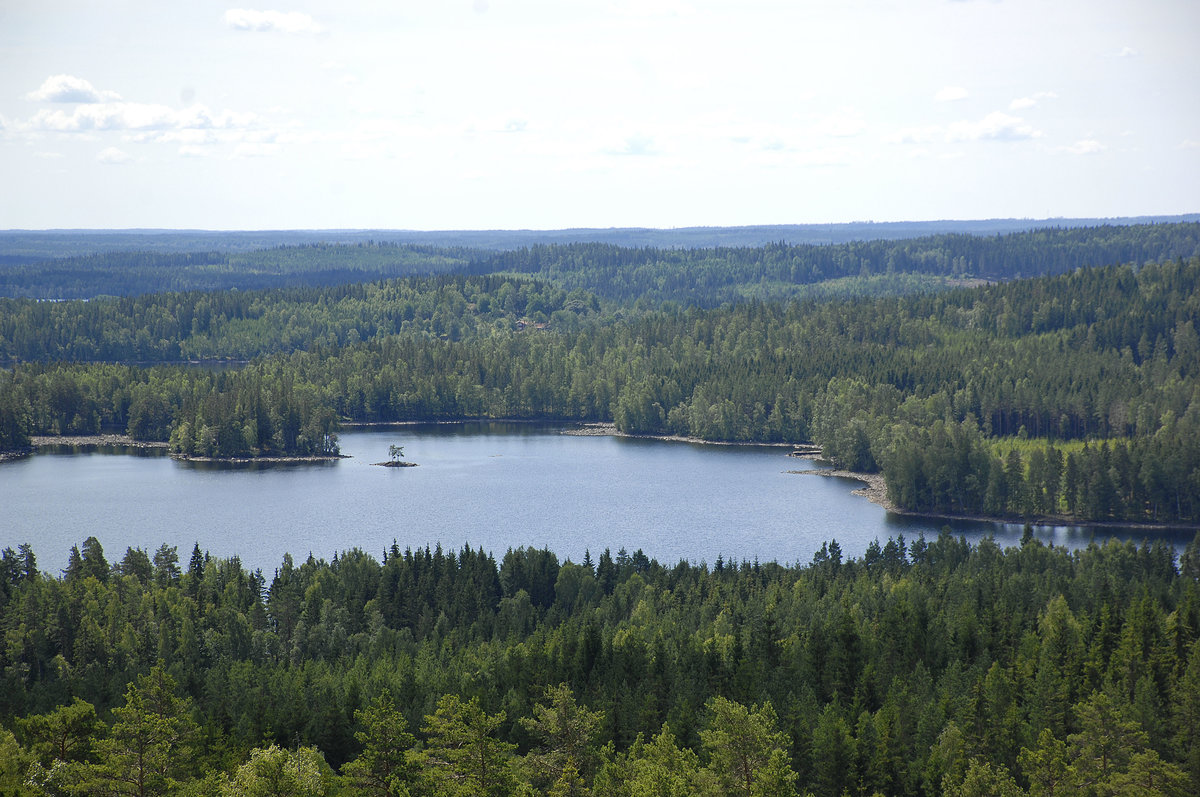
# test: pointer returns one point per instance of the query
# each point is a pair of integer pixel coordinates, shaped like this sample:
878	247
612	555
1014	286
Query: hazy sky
467	114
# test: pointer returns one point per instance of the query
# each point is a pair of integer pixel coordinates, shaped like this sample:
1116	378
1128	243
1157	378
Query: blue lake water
489	485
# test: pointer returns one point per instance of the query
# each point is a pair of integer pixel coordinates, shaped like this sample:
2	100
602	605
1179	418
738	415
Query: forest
1068	396
649	272
923	667
1050	374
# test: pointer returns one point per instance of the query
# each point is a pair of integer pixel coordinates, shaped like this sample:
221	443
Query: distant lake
489	485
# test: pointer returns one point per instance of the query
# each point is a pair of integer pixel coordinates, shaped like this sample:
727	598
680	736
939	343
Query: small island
394	461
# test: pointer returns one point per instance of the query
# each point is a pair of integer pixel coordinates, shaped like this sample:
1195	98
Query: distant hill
29	246
703	276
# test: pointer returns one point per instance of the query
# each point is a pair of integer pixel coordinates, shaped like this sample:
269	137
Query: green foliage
463	755
151	743
926	666
273	772
566	732
386	766
742	745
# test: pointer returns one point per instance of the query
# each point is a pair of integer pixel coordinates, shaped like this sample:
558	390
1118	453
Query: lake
489	485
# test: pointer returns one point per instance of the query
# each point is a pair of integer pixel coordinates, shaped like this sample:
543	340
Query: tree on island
395	452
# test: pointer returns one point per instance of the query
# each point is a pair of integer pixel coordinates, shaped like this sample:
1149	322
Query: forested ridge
930	667
700	276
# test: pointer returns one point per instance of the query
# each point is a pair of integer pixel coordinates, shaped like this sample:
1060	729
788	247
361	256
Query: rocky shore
21	453
265	460
94	440
610	430
874	489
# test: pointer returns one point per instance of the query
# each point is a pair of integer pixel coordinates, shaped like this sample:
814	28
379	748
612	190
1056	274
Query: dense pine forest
1045	374
924	667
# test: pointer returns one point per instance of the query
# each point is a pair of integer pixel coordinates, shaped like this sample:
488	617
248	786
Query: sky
546	114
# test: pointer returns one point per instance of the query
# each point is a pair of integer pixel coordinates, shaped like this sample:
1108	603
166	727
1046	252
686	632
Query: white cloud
68	88
996	126
271	21
113	156
1127	52
916	135
192	151
1189	144
1021	103
136	116
1085	146
635	145
951	94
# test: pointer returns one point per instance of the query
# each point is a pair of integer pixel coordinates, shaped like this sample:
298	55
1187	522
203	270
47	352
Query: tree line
922	667
1108	356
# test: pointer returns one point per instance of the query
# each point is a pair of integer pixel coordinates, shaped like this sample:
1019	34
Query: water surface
487	485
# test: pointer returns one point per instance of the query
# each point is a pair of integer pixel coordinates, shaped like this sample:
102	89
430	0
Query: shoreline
125	441
592	429
38	441
265	460
874	489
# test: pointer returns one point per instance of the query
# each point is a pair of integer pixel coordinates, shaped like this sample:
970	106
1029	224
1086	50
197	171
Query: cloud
1021	103
133	116
996	126
1127	52
916	135
635	145
113	156
1086	146
951	94
68	88
271	21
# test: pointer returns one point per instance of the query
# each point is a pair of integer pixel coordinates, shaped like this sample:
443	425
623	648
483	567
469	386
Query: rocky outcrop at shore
20	453
874	488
